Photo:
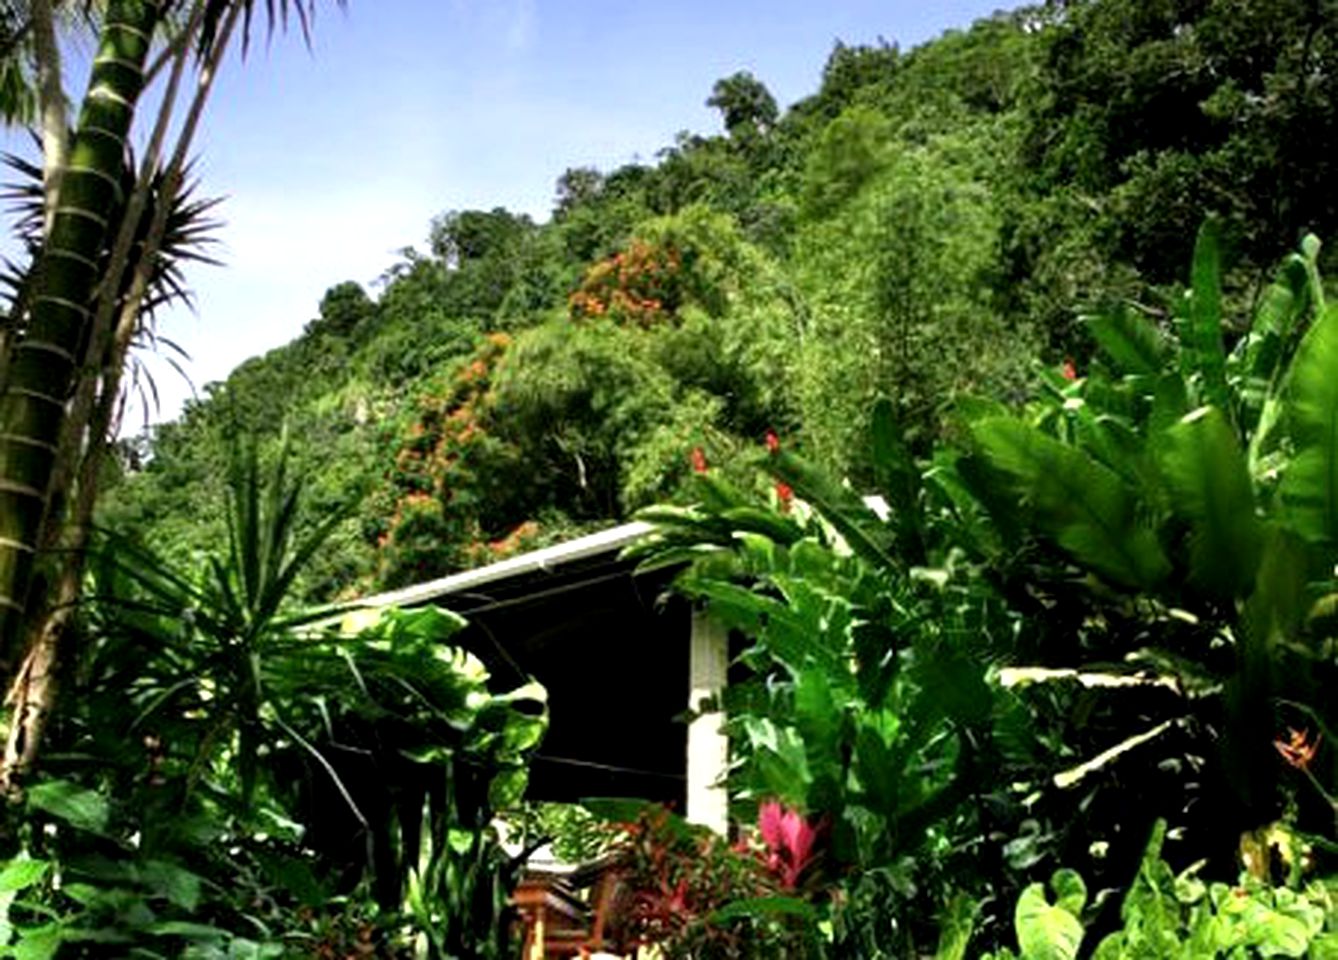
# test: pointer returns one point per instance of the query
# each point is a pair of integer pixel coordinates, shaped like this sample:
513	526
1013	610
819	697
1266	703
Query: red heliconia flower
773	443
790	840
1069	370
784	494
698	460
1297	749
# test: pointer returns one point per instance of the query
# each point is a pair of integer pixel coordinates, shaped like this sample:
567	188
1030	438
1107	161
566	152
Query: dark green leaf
81	808
1132	342
765	907
1205	470
1084	505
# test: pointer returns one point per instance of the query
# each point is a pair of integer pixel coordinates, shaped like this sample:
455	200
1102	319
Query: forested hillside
926	227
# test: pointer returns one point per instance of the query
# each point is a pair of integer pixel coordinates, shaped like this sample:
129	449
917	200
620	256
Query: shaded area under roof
610	646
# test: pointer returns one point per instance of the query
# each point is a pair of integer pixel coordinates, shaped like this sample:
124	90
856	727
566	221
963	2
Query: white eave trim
536	561
540	561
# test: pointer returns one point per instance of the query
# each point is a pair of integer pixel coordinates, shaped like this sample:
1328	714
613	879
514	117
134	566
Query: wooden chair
557	922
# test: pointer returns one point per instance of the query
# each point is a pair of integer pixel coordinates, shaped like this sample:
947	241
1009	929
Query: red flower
1069	371
773	443
1297	749
790	840
785	494
698	460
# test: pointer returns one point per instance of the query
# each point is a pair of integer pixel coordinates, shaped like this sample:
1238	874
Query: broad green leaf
955	683
507	788
1205	471
1132	342
955	928
736	606
867	536
897	477
779	760
878	773
1275	934
295	876
1202	352
39	944
84	809
818	718
1070	890
1309	487
769	524
1045	931
1280	309
21	873
717	493
177	884
1324	947
1083	504
429	624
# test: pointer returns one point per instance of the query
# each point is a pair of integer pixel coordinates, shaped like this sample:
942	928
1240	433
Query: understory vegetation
989	395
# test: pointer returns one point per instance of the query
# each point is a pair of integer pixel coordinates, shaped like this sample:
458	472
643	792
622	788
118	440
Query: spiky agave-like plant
62	373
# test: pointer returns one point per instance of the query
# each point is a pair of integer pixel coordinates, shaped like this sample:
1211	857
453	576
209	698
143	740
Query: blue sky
335	158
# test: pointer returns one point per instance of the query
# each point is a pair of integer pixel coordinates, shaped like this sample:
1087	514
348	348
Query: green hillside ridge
927	226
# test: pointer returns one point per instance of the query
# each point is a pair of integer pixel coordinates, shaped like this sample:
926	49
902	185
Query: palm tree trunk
32	693
54	107
44	364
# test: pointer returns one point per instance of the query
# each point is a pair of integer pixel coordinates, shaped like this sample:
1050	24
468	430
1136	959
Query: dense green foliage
924	225
1070	626
235	777
1097	603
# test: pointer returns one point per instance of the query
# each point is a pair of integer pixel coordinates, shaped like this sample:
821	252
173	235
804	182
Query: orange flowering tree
446	468
576	424
641	285
694	259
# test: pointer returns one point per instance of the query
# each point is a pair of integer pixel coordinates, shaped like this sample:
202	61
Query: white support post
708	747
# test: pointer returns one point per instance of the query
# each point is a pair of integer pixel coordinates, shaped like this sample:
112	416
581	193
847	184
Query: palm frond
278	15
188	235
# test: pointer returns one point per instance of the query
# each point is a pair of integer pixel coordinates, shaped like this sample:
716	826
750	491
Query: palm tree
68	339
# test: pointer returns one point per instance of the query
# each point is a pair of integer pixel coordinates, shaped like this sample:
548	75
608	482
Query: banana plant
1191	479
868	638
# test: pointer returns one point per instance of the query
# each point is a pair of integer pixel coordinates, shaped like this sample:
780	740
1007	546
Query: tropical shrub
1111	608
684	890
234	770
1178	499
868	642
1177	915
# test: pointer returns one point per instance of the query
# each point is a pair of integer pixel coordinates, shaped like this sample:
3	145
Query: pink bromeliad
790	840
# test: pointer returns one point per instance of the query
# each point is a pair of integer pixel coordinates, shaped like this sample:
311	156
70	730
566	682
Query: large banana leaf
1205	469
1083	505
898	479
1259	362
1309	487
1131	342
1201	351
867	536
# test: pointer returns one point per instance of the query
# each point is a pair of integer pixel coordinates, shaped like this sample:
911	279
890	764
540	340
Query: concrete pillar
708	747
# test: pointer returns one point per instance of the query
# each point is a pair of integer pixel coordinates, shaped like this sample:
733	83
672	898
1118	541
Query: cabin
625	663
